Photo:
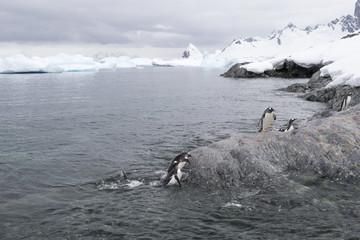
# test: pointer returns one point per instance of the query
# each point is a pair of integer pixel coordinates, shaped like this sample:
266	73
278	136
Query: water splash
233	204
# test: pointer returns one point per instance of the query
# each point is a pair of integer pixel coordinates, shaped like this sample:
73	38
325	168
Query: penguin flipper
166	181
171	167
274	116
261	124
342	105
168	177
178	180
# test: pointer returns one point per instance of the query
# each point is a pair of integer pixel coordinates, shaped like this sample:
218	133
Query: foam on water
233	204
134	183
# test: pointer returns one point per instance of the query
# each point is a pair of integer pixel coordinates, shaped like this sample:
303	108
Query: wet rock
316	81
321	148
314	90
296	88
334	96
327	146
236	71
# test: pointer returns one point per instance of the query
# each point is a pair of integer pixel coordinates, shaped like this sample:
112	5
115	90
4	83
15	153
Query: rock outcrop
314	90
289	69
321	148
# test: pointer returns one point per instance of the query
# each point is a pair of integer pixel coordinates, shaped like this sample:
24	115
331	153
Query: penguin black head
270	109
186	156
292	120
183	157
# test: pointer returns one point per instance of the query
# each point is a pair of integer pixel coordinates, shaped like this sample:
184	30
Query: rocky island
327	146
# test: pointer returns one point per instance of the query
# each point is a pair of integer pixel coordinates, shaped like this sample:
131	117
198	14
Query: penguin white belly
290	129
173	180
180	166
267	120
348	99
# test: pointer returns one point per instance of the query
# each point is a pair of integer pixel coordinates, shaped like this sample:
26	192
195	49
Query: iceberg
21	64
59	63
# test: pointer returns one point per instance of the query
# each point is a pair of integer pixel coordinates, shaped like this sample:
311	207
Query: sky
150	28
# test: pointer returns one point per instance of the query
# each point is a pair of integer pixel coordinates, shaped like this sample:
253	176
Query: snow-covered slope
341	59
291	38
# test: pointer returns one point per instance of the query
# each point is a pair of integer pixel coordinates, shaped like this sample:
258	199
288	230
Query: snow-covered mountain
291	38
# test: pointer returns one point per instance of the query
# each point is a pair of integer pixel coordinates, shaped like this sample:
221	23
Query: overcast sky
152	24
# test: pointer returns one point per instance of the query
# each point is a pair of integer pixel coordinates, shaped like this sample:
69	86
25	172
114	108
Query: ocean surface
68	139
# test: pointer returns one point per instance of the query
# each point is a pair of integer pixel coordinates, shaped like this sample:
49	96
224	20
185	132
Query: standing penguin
289	127
267	118
346	101
174	170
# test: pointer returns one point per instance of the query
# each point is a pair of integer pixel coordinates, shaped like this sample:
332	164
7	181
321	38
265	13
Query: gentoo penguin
267	118
346	101
174	170
289	127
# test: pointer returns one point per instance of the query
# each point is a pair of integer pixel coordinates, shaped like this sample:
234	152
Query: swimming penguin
289	127
267	118
174	170
346	101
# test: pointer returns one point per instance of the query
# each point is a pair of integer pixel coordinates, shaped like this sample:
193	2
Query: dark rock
314	90
321	148
350	35
316	81
334	96
292	70
296	88
235	71
289	69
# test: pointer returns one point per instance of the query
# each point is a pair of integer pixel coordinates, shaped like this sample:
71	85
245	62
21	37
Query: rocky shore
288	69
327	146
315	90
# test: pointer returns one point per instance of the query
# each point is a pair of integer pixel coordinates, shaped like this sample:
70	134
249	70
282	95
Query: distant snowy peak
348	24
343	25
292	38
192	52
357	10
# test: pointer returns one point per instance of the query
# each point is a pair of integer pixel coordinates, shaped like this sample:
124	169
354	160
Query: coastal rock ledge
284	69
321	148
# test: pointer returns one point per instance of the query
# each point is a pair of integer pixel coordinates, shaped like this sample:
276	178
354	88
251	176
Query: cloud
162	27
140	23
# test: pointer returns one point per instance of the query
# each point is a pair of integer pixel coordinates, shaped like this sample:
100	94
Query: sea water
81	156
